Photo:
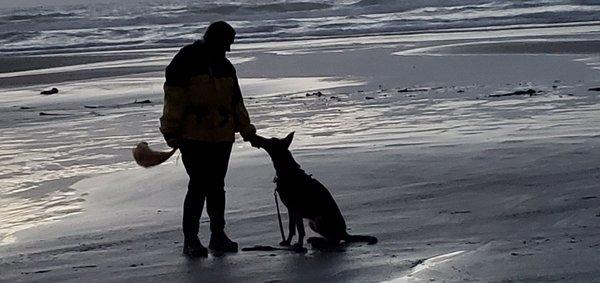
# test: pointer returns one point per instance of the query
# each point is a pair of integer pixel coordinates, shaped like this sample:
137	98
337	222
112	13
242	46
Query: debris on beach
50	91
93	106
413	89
369	97
594	89
54	114
26	108
529	92
460	212
317	94
42	271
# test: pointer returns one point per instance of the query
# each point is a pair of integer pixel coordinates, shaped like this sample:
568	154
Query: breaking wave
172	22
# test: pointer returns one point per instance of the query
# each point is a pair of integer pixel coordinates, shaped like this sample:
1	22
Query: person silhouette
203	108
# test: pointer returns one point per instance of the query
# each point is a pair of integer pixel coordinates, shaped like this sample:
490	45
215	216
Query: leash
278	212
279	216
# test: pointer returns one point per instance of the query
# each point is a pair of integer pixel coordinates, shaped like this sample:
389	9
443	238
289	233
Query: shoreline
404	42
526	30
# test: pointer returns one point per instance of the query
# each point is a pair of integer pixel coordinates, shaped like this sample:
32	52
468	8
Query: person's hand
173	142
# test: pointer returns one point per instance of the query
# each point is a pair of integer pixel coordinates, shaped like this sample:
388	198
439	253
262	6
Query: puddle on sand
42	159
424	265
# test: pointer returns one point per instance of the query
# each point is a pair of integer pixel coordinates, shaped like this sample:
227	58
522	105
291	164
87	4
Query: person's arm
241	117
176	97
173	114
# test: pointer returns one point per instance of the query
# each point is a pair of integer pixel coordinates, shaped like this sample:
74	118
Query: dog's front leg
291	228
301	233
299	247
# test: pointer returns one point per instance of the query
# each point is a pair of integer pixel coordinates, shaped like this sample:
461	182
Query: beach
473	155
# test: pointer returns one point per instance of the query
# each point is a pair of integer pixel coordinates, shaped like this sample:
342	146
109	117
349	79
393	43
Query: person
203	108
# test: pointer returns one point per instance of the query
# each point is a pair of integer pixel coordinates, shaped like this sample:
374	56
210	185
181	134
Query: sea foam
162	23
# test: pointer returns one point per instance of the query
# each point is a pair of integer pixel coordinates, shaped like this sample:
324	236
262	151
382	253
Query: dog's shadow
323	245
317	244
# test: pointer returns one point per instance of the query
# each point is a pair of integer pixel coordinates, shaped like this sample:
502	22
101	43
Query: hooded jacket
203	100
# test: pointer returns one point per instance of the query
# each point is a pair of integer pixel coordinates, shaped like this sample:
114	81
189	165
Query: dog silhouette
306	198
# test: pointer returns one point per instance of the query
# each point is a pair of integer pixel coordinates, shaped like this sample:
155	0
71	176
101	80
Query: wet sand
457	184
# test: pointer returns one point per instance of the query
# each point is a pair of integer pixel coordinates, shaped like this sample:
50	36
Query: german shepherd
306	198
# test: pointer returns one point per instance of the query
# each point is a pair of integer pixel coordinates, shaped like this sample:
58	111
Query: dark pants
206	164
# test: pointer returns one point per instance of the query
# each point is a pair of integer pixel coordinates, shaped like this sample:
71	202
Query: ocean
105	25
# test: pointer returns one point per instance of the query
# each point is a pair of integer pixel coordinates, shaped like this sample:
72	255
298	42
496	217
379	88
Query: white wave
175	22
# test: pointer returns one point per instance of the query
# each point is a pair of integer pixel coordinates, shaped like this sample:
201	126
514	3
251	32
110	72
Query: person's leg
215	197
192	210
191	155
215	193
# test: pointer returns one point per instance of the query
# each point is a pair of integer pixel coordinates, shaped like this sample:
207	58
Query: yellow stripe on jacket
207	109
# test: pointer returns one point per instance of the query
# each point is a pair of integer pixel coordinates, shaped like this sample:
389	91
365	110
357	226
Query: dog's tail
370	240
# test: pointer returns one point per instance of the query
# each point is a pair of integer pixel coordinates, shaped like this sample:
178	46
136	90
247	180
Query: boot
193	249
219	242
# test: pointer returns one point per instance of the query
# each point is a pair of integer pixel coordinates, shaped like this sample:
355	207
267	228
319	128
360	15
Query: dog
306	198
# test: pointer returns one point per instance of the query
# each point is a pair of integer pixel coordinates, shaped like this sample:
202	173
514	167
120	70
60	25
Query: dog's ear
288	140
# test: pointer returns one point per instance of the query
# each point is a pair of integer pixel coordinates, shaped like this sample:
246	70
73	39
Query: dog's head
275	147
